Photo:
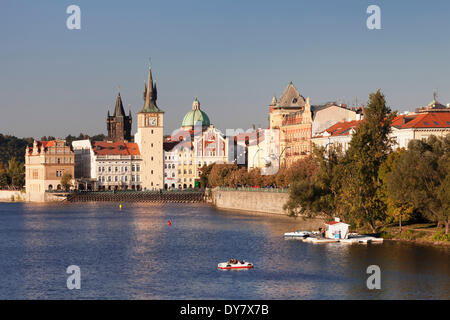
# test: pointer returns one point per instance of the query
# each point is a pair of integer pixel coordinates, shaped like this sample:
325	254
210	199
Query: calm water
134	254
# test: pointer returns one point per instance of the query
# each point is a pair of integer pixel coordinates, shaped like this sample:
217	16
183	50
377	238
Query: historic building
420	126
119	125
107	165
292	115
325	116
198	143
45	164
149	138
195	117
170	165
264	150
338	135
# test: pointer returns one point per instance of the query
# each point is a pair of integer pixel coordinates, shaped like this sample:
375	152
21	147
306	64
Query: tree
311	191
66	181
359	198
205	171
4	179
397	209
420	179
16	173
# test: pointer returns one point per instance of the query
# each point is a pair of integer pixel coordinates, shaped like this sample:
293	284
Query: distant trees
13	175
13	147
312	191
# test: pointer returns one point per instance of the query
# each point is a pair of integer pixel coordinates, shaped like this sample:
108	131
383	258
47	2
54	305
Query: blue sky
232	55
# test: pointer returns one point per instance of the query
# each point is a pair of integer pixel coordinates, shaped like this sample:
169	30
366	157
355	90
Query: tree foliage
421	179
66	181
359	200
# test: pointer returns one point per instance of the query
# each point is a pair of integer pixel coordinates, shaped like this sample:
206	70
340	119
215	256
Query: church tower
119	125
149	138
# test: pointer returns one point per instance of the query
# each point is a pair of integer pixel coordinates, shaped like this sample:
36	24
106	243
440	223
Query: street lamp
279	159
255	156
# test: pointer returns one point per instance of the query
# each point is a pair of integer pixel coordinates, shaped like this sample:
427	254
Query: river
133	254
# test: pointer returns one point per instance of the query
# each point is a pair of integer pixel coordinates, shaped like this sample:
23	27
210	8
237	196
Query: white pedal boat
237	265
300	234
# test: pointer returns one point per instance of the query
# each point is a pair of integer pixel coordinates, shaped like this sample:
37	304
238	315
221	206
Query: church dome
195	116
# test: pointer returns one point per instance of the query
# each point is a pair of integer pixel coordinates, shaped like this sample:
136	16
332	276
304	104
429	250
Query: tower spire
150	94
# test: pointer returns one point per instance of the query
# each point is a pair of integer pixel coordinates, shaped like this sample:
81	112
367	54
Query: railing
252	189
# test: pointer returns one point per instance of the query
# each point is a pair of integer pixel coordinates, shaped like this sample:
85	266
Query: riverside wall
250	201
11	195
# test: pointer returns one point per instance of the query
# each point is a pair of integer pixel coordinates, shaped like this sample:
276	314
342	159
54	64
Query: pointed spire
274	101
118	110
150	94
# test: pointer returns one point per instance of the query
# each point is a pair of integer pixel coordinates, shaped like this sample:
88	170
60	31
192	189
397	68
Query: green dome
196	117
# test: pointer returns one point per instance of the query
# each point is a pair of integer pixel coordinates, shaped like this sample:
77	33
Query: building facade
45	164
107	165
170	166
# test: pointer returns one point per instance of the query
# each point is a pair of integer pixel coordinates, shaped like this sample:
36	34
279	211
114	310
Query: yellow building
45	164
291	114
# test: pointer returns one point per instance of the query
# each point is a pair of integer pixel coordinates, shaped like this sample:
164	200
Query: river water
133	254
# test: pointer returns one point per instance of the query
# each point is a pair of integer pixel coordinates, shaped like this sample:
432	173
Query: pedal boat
238	265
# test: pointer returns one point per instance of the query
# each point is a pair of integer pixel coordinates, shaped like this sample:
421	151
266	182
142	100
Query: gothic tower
149	138
119	125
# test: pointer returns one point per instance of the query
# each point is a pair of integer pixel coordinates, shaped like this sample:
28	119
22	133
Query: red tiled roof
104	148
429	120
343	128
42	144
332	222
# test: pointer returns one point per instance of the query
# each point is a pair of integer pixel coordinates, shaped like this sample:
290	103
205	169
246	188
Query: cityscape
239	170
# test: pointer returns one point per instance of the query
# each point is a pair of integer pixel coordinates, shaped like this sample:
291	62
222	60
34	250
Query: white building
170	165
264	150
338	135
336	229
419	126
112	165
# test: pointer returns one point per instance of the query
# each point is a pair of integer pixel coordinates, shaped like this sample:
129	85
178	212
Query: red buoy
169	223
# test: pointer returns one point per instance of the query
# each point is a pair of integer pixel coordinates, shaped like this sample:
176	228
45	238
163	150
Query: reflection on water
133	254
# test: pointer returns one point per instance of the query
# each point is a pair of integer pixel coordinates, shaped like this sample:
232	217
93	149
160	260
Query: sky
233	55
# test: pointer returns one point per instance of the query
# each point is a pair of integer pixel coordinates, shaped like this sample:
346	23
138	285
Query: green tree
311	192
66	181
398	210
4	179
205	171
16	173
359	198
420	179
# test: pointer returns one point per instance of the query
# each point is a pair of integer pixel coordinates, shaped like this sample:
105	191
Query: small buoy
120	206
169	223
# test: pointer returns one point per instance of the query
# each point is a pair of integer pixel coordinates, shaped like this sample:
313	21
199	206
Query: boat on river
300	234
235	264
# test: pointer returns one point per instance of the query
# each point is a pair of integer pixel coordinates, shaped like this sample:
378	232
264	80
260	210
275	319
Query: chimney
337	219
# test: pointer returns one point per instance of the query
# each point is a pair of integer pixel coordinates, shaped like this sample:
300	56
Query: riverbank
422	233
